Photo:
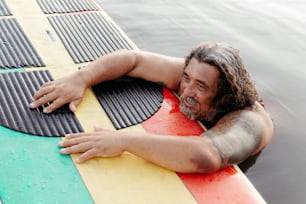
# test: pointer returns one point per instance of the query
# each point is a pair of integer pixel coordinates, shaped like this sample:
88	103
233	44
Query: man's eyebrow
203	84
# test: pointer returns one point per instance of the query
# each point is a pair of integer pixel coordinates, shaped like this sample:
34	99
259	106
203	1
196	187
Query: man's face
197	89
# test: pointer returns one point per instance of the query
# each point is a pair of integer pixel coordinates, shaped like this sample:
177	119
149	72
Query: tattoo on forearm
235	137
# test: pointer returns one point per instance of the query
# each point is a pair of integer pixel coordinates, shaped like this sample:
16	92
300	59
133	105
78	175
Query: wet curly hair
235	90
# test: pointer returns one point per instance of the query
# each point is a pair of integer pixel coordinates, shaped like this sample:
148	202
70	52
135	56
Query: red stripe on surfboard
224	186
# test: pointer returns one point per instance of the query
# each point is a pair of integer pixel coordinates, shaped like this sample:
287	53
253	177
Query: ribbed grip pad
17	89
87	36
129	101
65	6
16	50
4	10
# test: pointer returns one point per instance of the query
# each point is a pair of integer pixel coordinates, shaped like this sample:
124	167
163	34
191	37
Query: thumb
97	128
73	105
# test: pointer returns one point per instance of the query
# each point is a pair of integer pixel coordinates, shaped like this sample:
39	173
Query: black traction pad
66	6
128	101
4	10
16	50
89	35
17	89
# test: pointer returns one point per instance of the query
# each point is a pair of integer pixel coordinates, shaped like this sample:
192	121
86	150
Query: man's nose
189	90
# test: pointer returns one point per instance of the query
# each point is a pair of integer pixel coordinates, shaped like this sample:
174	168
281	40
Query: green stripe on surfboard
12	70
33	171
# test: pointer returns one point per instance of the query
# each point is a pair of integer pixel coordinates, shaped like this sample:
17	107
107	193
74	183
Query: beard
195	112
187	112
192	113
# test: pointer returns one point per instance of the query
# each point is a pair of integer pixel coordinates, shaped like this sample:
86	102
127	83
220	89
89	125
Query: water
271	36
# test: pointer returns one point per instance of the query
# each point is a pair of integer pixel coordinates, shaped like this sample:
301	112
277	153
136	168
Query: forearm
180	154
108	67
177	153
139	64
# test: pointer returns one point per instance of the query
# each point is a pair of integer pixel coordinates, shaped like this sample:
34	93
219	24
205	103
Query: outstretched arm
236	136
139	64
181	154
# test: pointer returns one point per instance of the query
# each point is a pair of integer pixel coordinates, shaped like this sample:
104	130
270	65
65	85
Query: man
214	87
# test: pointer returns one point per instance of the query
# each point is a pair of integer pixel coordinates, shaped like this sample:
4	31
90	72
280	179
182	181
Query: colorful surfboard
32	169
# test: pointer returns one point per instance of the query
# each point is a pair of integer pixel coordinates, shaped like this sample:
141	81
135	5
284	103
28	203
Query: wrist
138	142
82	77
125	140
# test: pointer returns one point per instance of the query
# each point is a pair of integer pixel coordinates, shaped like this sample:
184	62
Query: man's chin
188	113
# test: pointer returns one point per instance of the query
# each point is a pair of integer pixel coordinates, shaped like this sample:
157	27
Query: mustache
190	100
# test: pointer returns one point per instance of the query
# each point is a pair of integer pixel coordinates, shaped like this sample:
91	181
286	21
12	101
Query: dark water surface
271	36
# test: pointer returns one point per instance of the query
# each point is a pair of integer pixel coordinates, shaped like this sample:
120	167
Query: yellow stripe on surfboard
128	178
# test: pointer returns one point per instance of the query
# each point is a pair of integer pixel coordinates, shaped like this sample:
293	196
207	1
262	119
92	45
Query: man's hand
58	93
100	143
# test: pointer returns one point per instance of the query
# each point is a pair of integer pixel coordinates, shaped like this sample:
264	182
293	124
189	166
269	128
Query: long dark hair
236	90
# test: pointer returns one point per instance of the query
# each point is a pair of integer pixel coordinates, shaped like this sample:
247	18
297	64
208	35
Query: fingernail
46	110
63	151
32	105
60	143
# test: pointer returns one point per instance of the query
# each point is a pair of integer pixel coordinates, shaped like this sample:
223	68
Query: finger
44	89
75	135
86	156
73	140
41	101
97	128
77	148
55	104
73	105
44	99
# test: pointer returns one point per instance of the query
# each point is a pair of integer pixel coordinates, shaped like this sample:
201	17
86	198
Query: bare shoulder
240	134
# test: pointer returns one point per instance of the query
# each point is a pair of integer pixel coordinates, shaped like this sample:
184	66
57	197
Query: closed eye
186	77
202	86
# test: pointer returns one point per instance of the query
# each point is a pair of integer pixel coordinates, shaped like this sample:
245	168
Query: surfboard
32	169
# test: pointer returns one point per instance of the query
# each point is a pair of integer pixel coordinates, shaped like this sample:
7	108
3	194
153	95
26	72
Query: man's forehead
202	72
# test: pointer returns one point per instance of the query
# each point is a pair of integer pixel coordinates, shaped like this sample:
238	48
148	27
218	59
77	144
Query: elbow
206	162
